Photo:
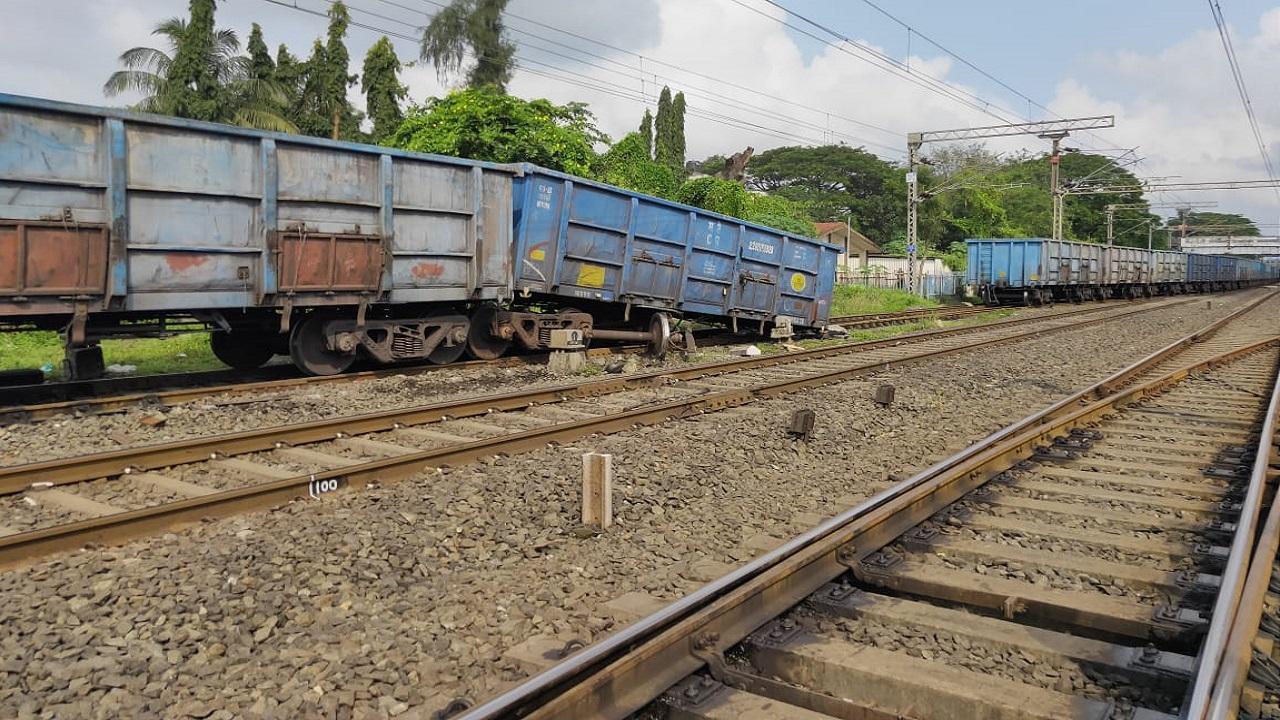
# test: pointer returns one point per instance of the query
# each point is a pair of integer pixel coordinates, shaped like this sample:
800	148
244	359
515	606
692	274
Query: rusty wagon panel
103	209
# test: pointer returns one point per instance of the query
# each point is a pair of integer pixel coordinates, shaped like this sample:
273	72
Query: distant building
855	247
1231	245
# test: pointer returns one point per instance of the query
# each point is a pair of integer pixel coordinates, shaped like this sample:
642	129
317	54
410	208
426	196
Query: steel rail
181	394
1227	649
15	478
86	397
185	387
621	673
23	547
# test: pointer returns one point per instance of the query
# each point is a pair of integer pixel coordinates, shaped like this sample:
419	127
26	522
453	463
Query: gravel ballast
394	601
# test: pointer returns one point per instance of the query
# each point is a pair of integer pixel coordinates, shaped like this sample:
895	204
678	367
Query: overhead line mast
1054	130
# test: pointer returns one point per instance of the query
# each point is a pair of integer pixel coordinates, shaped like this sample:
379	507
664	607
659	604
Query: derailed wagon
114	223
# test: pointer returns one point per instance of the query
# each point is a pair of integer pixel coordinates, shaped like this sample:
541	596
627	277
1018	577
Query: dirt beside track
394	601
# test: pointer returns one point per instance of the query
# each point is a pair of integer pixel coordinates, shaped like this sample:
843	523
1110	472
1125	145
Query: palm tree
216	85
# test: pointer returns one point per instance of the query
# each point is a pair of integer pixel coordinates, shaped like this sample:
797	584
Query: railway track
1085	562
1247	681
109	497
31	403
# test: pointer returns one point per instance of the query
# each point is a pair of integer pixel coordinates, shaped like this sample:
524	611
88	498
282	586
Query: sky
1157	65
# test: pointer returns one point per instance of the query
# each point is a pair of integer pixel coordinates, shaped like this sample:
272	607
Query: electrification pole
913	207
1053	129
1111	209
1055	184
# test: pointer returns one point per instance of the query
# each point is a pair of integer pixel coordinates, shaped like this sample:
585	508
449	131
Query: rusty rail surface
624	672
119	465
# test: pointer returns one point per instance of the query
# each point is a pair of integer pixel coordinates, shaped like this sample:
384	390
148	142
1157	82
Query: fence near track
930	286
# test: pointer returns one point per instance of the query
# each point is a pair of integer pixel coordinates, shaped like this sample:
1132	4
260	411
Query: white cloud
1177	103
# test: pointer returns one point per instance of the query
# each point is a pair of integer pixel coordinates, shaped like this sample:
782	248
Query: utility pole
1053	129
1055	184
1111	209
913	207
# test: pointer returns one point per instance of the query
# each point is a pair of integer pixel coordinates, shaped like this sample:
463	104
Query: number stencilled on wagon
761	247
714	230
545	194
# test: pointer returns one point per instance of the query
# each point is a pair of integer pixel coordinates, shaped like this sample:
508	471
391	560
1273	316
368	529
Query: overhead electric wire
880	60
673	66
555	72
1229	48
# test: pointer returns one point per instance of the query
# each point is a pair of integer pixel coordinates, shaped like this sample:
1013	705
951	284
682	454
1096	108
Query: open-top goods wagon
120	223
1032	271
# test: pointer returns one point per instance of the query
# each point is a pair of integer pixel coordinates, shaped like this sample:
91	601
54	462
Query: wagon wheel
445	354
310	353
660	331
481	343
240	350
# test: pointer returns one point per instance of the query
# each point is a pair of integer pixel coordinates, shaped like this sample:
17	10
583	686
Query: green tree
291	75
1030	207
668	130
778	212
627	164
484	124
646	133
202	76
261	66
474	25
678	147
715	194
730	198
836	182
382	89
332	76
1213	223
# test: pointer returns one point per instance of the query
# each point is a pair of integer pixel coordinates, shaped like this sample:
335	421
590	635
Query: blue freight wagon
637	256
116	223
1033	271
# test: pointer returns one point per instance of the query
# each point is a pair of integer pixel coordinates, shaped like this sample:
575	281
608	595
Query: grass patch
181	353
862	300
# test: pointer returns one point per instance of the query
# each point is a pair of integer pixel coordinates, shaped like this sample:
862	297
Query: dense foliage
730	198
1199	222
836	182
473	26
627	164
484	124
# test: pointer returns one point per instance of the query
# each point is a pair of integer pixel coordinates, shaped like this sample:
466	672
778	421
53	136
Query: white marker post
597	490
